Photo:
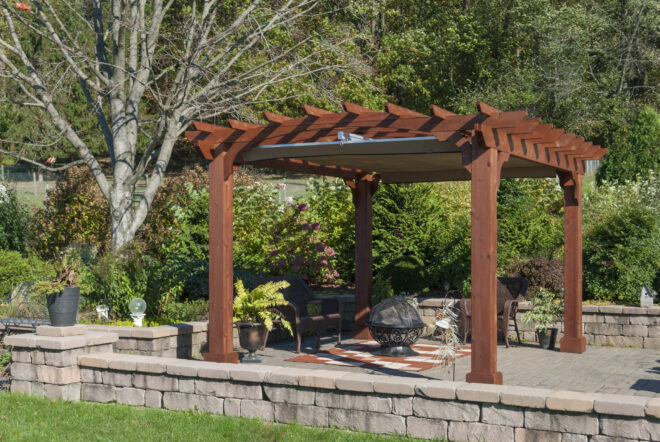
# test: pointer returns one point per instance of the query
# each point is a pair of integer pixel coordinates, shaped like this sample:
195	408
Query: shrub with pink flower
296	247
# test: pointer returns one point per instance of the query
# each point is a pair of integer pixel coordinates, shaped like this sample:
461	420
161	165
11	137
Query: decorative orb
137	306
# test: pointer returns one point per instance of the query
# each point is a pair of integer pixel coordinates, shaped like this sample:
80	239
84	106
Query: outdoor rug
361	355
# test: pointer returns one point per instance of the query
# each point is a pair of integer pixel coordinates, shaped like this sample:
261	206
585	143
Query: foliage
257	305
381	289
5	359
178	190
75	212
529	220
256	209
184	252
190	310
67	274
407	274
296	247
17	269
331	204
546	310
124	275
639	154
542	273
15	231
622	240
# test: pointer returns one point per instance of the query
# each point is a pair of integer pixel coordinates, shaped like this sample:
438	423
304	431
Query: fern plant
257	305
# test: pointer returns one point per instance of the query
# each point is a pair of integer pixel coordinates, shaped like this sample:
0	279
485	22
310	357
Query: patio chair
510	291
298	296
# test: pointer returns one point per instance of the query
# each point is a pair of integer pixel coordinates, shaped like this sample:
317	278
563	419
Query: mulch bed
361	355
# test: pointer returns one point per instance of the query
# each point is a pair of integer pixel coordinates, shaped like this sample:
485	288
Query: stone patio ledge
160	331
343	382
33	340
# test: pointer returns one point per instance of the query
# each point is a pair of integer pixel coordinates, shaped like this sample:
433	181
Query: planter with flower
62	293
254	314
546	311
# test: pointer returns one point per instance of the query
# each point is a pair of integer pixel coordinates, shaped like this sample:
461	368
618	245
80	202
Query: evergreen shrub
15	229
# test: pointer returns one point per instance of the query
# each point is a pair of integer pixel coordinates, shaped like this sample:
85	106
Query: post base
484	378
231	357
361	332
573	345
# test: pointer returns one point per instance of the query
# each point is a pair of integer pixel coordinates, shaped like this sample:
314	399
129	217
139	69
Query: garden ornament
646	297
137	307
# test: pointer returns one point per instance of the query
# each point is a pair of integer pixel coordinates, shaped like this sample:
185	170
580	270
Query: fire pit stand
395	324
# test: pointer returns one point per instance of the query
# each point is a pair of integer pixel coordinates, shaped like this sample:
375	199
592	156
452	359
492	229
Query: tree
146	68
639	154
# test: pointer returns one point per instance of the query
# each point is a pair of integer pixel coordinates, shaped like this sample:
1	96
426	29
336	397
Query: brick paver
613	370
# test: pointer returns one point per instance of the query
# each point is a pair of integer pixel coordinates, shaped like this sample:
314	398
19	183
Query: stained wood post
573	340
221	271
485	180
363	190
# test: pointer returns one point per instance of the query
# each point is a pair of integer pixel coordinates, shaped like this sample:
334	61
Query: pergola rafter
363	147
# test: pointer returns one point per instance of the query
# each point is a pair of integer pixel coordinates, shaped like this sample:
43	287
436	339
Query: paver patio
614	370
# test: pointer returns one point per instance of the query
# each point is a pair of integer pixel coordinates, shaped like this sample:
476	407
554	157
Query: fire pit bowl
395	324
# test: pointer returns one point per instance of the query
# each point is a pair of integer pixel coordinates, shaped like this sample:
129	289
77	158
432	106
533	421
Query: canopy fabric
399	145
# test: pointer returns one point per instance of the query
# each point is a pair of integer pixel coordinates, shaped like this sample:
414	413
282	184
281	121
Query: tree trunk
121	216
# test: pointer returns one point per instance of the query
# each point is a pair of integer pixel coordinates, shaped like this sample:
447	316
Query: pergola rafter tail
363	147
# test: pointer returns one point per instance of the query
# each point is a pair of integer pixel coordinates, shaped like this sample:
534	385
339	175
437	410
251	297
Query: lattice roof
401	145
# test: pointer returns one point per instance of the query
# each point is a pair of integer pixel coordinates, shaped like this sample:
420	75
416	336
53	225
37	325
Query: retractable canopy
399	145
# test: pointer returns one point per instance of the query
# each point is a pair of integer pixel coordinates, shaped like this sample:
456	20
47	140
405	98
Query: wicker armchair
298	296
510	291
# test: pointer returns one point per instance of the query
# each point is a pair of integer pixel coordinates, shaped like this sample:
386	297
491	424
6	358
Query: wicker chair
298	296
510	291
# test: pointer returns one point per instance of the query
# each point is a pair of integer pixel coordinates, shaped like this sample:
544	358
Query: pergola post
363	190
485	181
573	340
221	271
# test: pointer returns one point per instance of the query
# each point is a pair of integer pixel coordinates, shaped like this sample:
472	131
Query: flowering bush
297	248
541	273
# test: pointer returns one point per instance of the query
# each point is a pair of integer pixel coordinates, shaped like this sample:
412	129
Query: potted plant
254	313
546	311
62	293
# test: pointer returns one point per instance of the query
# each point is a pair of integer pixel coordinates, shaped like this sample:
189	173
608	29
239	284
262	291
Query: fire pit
395	324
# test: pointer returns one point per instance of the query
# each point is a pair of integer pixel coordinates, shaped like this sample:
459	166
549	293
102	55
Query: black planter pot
63	307
252	337
547	338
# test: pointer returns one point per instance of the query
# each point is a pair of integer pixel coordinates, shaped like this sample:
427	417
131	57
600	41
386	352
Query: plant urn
252	337
63	307
547	338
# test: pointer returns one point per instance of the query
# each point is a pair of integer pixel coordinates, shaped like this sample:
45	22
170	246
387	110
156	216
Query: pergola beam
300	166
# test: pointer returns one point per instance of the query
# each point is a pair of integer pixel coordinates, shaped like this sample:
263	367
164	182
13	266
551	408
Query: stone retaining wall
186	341
611	325
376	403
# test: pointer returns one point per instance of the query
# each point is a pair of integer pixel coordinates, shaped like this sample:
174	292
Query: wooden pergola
365	147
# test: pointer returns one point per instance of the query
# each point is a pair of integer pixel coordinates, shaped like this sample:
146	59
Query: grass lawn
30	418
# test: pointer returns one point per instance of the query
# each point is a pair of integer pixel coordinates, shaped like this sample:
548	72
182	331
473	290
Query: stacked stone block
186	340
607	325
46	363
375	403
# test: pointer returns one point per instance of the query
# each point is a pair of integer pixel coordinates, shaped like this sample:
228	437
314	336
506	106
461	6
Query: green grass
30	418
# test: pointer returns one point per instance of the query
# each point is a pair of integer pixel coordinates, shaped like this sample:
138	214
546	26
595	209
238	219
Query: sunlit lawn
35	419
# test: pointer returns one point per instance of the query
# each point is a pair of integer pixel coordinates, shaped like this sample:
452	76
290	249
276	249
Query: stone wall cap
634	310
437	389
475	392
589	309
199	326
321	378
27	340
575	401
653	407
285	375
610	309
396	385
97	360
618	404
436	302
122	331
248	372
100	338
653	311
49	330
528	397
361	382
